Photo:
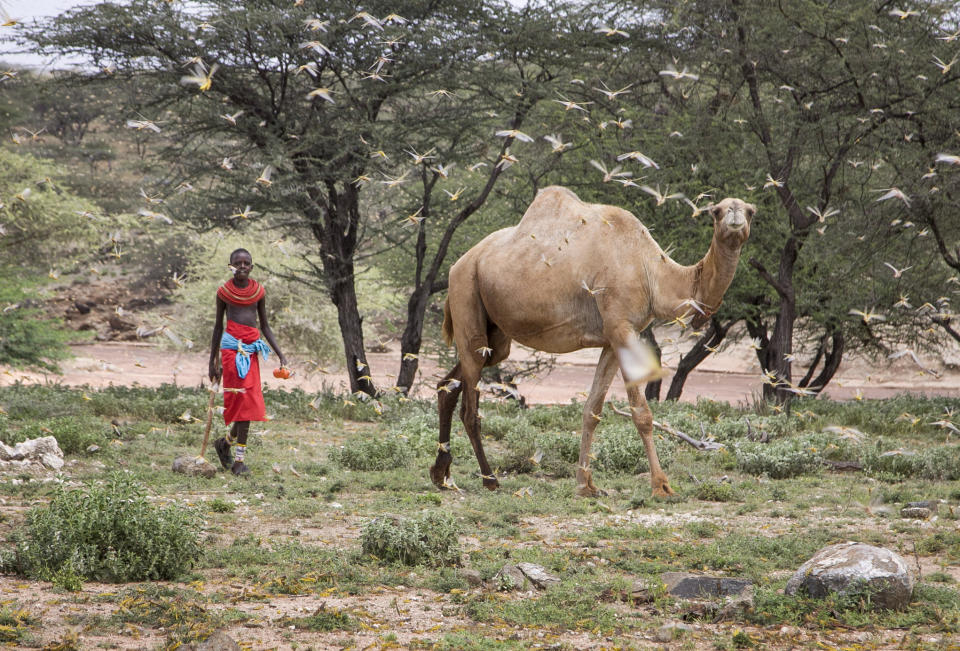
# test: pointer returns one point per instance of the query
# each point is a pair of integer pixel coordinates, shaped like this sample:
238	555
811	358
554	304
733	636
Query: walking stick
206	430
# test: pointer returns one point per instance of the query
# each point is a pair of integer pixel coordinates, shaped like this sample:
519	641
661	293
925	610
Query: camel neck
717	268
705	282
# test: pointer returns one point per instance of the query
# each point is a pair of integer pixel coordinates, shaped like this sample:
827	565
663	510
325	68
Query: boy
242	299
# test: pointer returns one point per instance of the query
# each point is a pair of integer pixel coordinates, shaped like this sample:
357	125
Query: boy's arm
267	332
215	371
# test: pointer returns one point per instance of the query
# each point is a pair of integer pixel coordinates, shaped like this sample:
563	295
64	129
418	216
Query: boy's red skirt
247	405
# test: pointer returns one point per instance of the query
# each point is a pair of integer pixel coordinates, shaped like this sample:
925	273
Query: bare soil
733	375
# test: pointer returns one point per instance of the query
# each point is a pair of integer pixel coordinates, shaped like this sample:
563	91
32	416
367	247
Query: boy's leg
239	434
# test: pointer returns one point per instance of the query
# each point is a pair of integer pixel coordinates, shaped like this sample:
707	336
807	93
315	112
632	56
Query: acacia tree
308	114
820	97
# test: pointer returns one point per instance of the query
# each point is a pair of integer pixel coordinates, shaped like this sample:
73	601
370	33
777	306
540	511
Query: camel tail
447	323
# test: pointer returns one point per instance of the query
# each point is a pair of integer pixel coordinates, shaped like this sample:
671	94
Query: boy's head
241	262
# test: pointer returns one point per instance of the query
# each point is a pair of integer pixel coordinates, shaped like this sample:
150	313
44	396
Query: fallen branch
703	444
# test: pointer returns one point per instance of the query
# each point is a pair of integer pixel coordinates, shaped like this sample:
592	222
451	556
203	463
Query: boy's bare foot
223	451
239	469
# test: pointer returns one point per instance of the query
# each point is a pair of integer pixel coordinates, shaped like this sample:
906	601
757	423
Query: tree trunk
652	390
412	338
712	338
343	294
830	365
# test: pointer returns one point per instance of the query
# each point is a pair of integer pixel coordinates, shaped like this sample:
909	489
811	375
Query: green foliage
26	340
430	539
105	532
365	452
322	620
74	434
715	491
43	222
15	623
779	459
221	506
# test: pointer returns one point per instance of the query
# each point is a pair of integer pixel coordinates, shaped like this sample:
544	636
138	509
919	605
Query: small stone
915	512
538	575
472	577
671	631
194	466
687	585
509	578
93	448
216	642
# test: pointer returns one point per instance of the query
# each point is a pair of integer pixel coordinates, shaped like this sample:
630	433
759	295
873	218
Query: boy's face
241	263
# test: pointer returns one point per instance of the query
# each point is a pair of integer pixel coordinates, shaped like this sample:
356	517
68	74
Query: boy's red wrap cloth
247	405
230	293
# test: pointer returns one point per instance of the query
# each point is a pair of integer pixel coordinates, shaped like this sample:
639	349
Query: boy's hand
283	361
215	371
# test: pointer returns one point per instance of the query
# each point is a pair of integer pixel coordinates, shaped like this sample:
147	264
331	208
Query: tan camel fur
574	275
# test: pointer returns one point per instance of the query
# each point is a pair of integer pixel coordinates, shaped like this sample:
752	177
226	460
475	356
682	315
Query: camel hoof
590	491
662	491
440	473
491	483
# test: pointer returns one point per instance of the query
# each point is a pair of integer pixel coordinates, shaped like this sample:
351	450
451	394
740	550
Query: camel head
731	221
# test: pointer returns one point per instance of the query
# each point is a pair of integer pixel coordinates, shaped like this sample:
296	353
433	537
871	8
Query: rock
51	461
915	512
509	578
32	450
194	466
472	577
922	504
121	325
698	586
216	642
671	631
93	448
853	567
538	575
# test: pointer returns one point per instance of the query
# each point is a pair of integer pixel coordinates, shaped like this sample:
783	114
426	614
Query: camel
573	275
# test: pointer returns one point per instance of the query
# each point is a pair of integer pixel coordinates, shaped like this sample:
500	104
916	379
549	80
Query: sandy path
732	375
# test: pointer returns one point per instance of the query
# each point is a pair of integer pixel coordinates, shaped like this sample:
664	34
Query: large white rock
854	567
32	450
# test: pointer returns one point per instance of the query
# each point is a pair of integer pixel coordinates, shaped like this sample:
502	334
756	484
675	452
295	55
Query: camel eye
751	211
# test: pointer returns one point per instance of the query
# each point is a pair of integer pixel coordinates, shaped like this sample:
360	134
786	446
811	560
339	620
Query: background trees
369	137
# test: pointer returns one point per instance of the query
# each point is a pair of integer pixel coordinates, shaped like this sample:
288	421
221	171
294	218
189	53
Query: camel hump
556	208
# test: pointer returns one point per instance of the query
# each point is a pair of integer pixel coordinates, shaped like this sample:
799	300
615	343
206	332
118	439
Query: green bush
431	539
105	532
619	448
367	452
715	491
780	459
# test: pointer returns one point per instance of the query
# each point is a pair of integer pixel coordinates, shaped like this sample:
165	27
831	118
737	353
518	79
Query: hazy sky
24	10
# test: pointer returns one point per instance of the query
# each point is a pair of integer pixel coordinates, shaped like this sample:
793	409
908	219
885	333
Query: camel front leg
643	419
606	370
638	365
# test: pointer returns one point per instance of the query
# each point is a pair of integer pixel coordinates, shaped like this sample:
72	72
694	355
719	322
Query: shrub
894	464
107	532
780	459
619	448
714	491
370	452
431	539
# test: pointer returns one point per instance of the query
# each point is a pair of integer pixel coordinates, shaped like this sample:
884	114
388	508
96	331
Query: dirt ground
732	375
